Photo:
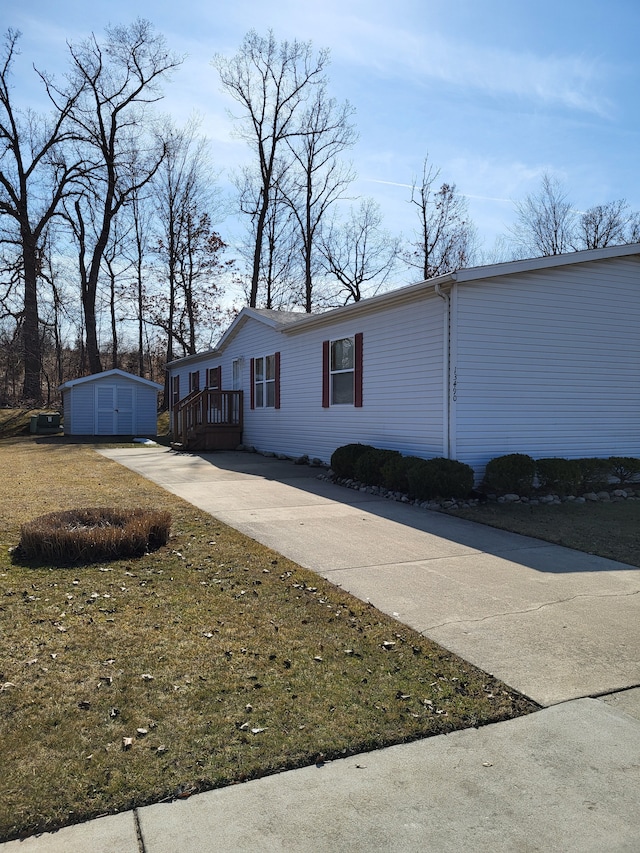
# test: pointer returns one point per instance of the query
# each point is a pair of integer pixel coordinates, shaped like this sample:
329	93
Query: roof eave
383	300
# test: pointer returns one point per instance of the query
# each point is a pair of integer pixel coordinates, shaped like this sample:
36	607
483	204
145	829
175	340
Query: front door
114	410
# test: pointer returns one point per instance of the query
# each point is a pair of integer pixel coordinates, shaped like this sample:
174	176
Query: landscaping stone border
549	499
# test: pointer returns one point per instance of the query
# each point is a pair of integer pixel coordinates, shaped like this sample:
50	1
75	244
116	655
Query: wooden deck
208	420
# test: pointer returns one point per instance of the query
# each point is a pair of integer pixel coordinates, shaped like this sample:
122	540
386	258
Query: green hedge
512	473
560	476
343	459
594	473
439	478
395	471
368	466
517	473
624	468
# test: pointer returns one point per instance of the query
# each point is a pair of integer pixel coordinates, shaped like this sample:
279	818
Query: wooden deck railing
202	415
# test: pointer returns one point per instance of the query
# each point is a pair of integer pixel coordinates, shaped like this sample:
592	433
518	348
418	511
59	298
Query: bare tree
58	308
446	238
190	269
317	178
279	272
117	268
120	80
35	177
271	82
358	253
141	215
545	221
603	225
200	275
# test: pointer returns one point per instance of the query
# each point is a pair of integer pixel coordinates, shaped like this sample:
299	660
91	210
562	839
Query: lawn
209	661
608	529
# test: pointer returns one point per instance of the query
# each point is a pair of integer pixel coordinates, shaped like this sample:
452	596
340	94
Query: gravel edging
439	505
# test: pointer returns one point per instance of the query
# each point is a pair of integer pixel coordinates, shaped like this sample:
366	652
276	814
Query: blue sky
495	91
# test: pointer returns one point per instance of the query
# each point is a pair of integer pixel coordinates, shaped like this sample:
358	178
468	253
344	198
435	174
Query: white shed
110	403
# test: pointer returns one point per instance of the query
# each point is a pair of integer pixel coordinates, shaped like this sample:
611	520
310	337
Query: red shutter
252	380
277	380
357	390
325	374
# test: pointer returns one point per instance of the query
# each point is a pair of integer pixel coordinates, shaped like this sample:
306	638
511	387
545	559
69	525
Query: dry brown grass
91	534
218	658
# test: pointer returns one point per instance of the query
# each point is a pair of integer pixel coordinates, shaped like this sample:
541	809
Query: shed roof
95	377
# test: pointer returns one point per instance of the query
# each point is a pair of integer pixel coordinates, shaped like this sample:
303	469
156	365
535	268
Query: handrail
211	408
188	399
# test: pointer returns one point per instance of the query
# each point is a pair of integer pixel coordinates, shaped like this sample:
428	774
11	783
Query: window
214	378
341	369
237	374
265	382
342	372
175	390
194	381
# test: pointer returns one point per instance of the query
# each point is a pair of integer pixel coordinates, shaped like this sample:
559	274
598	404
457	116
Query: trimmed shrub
560	476
394	473
512	473
368	466
344	458
595	474
439	478
625	468
92	534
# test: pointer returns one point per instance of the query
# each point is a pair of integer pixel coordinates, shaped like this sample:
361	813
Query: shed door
114	410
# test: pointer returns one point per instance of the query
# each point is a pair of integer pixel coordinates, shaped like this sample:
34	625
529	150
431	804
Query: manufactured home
536	356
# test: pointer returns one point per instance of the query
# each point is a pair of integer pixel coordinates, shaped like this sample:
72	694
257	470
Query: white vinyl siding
79	410
402	383
548	363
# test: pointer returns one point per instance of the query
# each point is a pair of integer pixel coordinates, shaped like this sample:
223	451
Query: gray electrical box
45	423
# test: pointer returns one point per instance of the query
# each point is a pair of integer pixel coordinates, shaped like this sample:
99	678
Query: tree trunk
32	349
257	253
91	334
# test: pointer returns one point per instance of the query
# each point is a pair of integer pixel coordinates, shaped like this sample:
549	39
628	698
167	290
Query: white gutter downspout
446	370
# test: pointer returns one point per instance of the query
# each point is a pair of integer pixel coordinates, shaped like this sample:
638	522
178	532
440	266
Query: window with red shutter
342	371
357	374
326	397
277	380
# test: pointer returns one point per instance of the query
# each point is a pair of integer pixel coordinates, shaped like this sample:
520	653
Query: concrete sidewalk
553	623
